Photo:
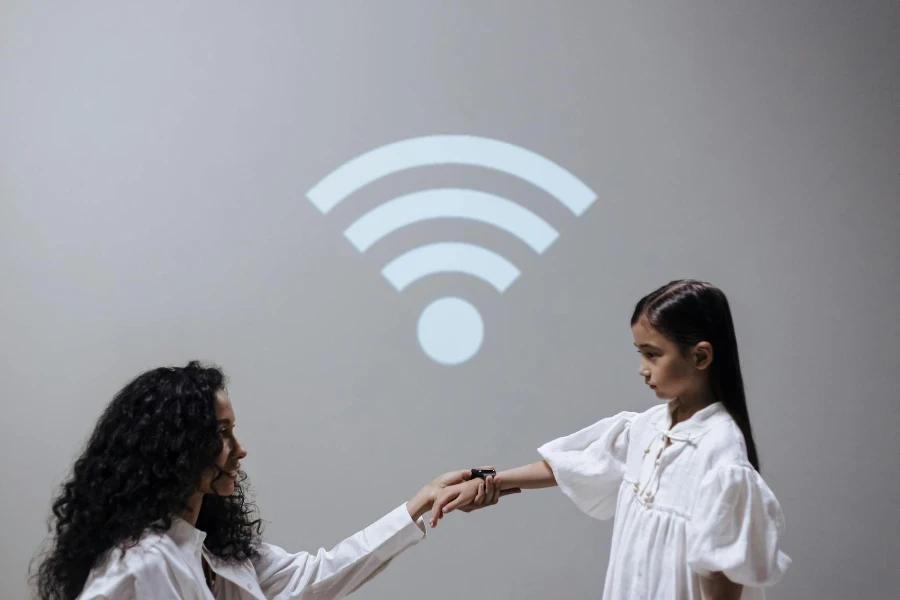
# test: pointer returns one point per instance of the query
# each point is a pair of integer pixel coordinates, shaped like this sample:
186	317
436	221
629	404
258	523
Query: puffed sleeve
337	572
736	527
589	465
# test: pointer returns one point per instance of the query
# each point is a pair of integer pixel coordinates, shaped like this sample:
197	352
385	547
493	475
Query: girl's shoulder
656	415
712	431
723	443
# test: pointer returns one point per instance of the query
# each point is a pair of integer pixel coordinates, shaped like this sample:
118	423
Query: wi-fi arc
451	257
450	329
452	149
448	203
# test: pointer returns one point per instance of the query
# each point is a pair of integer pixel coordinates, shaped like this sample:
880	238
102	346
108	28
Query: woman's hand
443	488
422	502
468	496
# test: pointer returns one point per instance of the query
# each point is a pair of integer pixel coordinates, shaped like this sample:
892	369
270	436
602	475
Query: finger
496	497
432	519
488	489
435	511
437	507
452	497
456	503
479	495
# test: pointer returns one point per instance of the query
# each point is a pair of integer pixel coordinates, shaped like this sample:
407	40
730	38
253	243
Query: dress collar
695	426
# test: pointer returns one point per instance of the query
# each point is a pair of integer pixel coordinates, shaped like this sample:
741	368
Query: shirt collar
698	423
186	536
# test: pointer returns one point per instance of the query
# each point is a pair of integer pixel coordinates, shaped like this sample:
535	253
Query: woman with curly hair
155	508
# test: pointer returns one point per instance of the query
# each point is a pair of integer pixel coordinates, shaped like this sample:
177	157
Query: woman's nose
240	451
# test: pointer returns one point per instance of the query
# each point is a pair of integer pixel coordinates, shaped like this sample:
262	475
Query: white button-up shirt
168	565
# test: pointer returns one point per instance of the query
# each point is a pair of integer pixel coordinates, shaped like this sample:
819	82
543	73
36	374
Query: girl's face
232	452
669	372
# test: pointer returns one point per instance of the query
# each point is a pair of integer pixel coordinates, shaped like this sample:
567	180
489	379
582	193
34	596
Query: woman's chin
224	487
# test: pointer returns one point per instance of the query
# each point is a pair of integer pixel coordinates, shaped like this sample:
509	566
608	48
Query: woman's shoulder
124	565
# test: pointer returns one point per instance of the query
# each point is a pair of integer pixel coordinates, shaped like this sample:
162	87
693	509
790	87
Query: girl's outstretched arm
529	477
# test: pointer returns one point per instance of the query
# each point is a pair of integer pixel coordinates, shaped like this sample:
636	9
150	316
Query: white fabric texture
168	566
686	502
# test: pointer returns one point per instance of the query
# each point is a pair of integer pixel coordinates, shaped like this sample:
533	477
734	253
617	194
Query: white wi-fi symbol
450	329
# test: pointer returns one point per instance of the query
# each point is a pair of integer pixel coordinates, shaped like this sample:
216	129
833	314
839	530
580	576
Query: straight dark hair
688	312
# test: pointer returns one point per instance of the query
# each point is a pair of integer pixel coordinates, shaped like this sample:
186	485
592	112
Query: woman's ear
702	355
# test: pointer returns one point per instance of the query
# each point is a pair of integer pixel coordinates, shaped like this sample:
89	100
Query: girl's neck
684	407
192	509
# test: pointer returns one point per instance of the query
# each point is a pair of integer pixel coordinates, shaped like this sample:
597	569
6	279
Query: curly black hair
142	462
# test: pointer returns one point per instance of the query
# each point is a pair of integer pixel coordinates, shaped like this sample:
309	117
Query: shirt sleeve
589	465
145	575
736	527
337	572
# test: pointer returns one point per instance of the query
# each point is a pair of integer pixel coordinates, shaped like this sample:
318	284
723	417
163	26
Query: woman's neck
192	509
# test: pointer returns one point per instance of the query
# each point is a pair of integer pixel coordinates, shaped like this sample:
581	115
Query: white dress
682	511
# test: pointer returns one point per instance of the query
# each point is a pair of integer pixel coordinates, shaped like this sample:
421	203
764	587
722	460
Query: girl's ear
702	356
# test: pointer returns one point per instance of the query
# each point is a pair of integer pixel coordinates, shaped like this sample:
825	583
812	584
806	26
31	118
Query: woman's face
221	481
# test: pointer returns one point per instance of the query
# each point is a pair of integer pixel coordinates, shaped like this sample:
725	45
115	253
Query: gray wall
153	167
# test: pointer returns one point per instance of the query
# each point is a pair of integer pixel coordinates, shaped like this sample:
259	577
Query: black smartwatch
483	473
